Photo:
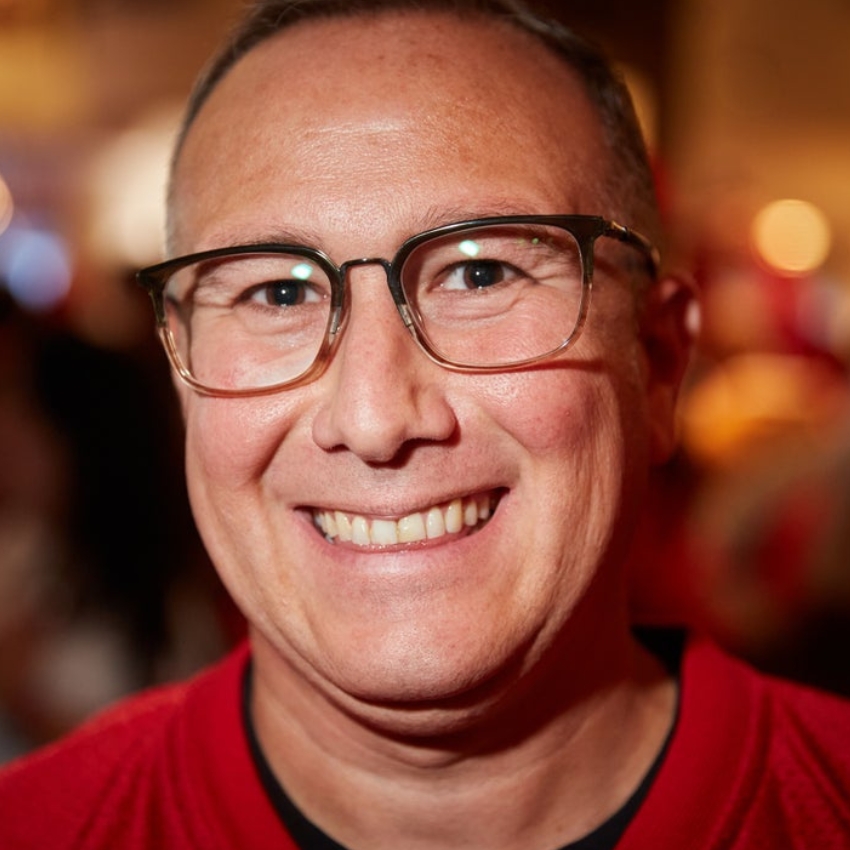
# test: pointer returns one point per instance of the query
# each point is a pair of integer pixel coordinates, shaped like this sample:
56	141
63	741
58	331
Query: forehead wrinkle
432	217
268	235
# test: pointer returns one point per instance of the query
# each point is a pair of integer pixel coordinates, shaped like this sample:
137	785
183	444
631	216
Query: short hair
629	184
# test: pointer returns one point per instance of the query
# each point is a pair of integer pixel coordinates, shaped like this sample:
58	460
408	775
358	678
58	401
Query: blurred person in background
417	455
102	587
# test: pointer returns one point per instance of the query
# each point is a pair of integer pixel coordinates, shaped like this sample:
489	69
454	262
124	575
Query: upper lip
397	511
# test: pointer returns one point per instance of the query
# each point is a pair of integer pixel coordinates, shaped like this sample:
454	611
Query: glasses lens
248	321
496	295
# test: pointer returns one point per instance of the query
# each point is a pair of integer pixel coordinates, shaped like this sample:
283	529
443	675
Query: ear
669	326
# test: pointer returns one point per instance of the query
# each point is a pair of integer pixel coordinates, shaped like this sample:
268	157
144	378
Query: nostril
376	408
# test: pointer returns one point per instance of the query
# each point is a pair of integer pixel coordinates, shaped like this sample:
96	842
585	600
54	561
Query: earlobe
670	325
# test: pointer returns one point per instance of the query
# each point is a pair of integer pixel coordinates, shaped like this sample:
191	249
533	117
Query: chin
428	687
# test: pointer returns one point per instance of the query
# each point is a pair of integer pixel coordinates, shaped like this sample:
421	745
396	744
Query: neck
538	766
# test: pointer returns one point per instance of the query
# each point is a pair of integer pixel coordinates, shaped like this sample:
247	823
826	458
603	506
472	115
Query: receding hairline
629	171
258	28
270	18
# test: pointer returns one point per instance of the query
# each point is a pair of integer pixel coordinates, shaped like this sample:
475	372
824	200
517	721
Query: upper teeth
422	525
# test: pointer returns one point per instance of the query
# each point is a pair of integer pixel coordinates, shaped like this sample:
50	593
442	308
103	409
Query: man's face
351	135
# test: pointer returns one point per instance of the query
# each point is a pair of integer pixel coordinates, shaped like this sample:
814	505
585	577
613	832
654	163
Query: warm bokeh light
792	236
7	206
646	103
752	402
129	192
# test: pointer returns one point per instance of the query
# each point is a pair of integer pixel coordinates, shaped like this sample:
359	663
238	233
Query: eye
284	293
478	274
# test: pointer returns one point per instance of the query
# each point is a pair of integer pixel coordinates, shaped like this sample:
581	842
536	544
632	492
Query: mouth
459	517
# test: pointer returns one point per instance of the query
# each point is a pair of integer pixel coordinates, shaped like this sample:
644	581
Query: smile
451	518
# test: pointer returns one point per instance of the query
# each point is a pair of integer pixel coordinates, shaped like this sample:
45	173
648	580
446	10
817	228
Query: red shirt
753	763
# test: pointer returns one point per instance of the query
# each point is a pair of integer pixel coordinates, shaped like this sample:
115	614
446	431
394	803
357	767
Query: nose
380	393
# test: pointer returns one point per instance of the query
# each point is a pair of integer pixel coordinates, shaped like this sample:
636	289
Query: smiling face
394	531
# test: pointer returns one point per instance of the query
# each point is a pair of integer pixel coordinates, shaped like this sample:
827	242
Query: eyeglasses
488	295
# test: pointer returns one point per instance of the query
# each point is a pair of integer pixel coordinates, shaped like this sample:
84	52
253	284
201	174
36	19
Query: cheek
584	437
229	446
229	442
554	411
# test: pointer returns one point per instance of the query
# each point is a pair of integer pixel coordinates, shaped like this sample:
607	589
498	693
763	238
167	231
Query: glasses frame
585	229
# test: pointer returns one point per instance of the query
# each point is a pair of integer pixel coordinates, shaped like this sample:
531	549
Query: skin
481	689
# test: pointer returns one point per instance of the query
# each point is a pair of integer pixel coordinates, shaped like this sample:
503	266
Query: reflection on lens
303	271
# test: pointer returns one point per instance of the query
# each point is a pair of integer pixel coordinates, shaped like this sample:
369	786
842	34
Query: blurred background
104	586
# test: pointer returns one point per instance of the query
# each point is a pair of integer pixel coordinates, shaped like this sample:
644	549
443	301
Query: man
422	494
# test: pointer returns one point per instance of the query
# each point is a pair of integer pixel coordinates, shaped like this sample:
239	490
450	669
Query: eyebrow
277	236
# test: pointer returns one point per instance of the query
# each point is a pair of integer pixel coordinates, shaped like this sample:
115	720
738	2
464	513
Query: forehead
368	104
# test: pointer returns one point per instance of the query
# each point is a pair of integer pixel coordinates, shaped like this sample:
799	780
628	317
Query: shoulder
110	767
102	740
807	719
754	761
807	750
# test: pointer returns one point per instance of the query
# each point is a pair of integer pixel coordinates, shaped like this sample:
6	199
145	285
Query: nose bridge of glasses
392	283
